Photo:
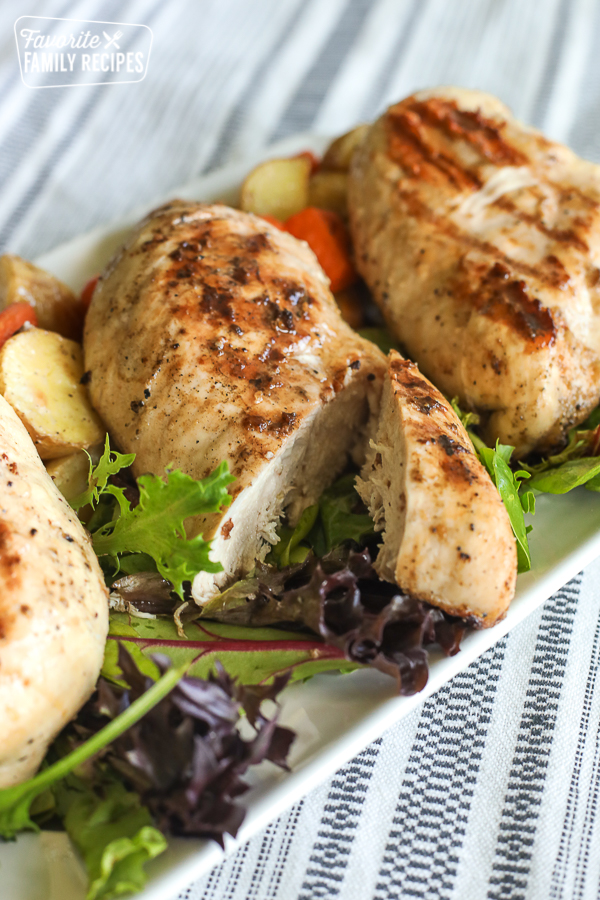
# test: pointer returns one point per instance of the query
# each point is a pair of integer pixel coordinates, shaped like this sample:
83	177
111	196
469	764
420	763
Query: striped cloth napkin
491	788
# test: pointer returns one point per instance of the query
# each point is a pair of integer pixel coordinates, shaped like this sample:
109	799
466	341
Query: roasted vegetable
339	153
14	317
328	190
327	236
278	187
56	306
40	376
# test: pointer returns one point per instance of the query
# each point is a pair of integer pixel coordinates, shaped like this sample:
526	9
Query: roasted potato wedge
70	473
56	306
40	376
328	190
339	153
278	187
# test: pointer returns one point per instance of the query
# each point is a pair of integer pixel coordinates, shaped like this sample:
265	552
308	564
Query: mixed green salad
157	749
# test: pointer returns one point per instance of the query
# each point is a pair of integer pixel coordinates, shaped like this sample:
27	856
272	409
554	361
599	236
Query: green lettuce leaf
251	655
569	475
110	463
575	465
323	526
497	462
16	801
112	831
156	525
381	337
338	521
507	482
291	547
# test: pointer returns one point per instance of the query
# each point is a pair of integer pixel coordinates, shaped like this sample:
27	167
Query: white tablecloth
490	789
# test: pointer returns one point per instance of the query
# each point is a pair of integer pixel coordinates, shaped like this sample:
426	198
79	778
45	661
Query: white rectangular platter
334	716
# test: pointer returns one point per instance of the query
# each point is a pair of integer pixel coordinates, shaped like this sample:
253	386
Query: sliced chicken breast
53	606
213	336
447	537
480	240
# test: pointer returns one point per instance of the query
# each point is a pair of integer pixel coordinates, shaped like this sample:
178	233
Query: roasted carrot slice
273	221
14	317
88	292
313	159
325	233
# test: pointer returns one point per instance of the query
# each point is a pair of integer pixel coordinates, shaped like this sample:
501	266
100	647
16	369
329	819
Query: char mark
277	426
419	133
506	300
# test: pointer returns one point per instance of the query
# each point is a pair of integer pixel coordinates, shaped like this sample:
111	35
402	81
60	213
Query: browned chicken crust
480	240
214	336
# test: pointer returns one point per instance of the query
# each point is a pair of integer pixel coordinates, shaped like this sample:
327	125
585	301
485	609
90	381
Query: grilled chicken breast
213	336
480	240
53	606
447	537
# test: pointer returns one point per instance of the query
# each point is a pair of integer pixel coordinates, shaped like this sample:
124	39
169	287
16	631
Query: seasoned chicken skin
447	537
53	606
480	240
213	336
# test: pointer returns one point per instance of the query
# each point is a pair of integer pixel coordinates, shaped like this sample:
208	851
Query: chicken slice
213	336
53	606
480	240
447	537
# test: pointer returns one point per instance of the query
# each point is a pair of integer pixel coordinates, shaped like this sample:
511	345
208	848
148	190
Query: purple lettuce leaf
341	599
186	757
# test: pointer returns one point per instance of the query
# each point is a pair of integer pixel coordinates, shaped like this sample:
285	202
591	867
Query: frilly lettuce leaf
150	536
155	526
110	463
292	547
338	519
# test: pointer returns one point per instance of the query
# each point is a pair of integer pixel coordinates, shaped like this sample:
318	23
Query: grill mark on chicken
416	208
471	126
416	133
507	301
565	236
450	445
566	194
409	148
456	466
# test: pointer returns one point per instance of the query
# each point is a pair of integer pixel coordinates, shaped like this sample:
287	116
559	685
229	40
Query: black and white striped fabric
491	789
